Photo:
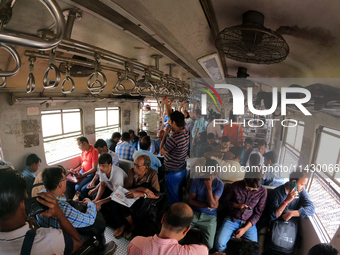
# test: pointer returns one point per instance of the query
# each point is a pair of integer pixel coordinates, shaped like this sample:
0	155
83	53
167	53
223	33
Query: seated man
86	170
125	150
225	144
113	141
152	142
133	139
32	166
246	201
323	249
85	222
158	142
247	148
101	148
260	150
203	199
111	177
272	171
13	225
142	181
145	143
231	168
289	203
175	225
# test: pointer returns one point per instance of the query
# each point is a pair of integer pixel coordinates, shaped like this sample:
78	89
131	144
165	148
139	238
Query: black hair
198	111
236	150
131	131
210	136
254	159
178	117
100	143
296	176
225	139
51	177
270	155
147	160
211	162
249	141
12	192
148	107
203	137
208	148
142	134
116	135
232	116
145	142
83	139
254	178
177	220
126	136
238	246
323	249
262	142
105	158
32	159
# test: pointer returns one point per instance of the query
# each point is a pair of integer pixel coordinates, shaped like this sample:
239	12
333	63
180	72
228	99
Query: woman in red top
234	131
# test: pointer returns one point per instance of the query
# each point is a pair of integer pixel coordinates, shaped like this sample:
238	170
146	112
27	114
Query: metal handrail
17	60
145	88
3	84
97	72
50	67
30	86
125	78
31	41
68	78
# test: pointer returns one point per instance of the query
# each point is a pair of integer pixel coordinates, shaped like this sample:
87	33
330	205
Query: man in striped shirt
175	150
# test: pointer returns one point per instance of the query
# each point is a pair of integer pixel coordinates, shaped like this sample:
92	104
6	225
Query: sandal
128	235
119	231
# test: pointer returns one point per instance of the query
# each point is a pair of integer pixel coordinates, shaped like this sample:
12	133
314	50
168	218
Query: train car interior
99	69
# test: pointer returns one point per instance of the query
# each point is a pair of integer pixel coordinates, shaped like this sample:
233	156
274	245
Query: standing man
151	120
87	168
175	150
32	166
125	150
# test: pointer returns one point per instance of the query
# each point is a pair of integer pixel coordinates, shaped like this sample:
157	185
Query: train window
292	145
324	188
107	121
60	128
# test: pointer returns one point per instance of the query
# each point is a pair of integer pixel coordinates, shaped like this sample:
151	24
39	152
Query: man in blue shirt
152	142
246	150
203	198
145	144
158	142
273	172
32	166
133	139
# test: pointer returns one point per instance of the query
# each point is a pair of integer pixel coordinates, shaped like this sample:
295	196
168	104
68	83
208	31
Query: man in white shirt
151	120
260	150
13	225
110	177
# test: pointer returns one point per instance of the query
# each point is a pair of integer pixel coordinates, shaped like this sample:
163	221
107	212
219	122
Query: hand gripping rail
67	78
17	60
30	80
97	72
50	67
120	87
31	41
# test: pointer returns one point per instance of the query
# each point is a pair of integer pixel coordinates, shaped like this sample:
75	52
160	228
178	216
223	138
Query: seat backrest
126	165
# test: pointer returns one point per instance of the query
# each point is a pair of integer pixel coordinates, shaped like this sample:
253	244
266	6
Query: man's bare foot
119	231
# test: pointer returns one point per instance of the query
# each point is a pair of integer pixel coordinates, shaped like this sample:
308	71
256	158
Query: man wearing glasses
246	201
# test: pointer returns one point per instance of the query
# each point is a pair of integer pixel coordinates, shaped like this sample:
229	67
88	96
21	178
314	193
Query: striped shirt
255	199
125	150
176	148
75	217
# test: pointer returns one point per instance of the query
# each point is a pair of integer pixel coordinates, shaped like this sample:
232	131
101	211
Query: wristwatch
145	196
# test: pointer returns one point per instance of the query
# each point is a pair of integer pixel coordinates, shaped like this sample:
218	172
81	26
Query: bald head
178	217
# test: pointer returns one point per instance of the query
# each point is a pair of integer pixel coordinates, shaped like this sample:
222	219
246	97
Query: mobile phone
293	185
33	207
248	209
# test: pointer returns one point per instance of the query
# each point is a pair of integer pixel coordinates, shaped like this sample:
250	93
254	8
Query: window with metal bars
292	144
107	121
60	129
324	187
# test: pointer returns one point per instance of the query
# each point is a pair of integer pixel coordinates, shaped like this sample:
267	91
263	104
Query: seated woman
142	181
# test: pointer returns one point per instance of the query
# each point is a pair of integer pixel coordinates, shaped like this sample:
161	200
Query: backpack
282	236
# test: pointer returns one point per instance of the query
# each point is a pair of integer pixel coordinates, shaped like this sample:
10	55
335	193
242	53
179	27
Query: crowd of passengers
80	203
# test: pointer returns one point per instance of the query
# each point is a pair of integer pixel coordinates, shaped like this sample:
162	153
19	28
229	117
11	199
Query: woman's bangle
285	202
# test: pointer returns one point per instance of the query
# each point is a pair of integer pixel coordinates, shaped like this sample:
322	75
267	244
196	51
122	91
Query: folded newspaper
119	197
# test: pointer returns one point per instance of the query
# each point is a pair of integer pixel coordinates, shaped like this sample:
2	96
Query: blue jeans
82	186
227	229
174	184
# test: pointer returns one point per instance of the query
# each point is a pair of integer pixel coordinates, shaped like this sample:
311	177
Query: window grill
107	121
